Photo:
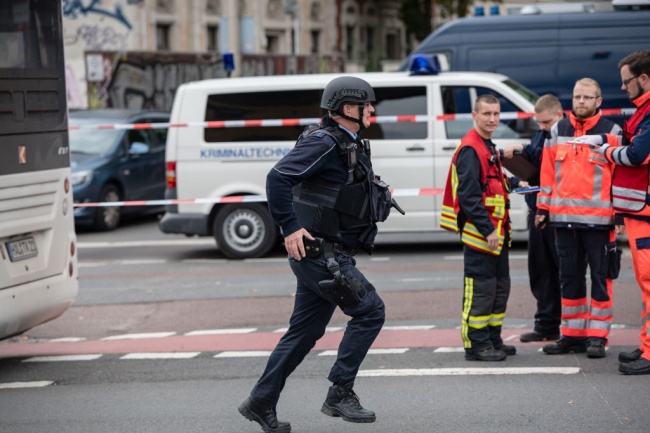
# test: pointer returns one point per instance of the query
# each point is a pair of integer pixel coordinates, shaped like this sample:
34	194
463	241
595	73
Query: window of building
392	47
163	37
349	42
212	35
315	42
272	43
370	39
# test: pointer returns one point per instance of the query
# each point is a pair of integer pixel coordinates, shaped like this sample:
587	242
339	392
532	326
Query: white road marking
161	355
58	358
449	349
244	354
140	262
510	256
370	352
328	329
153	243
66	340
408	328
467	371
221	331
14	385
136	336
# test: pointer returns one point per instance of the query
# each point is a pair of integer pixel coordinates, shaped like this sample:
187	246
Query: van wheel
244	231
108	218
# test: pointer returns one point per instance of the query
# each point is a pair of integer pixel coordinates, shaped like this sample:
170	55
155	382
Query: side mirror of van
138	148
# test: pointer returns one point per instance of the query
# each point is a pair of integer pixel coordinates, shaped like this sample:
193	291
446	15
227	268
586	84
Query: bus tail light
171	174
71	269
72	249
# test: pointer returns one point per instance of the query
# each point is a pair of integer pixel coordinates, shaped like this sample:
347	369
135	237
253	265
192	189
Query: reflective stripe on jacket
631	180
495	197
576	182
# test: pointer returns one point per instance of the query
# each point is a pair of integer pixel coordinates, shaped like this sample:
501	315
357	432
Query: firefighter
475	203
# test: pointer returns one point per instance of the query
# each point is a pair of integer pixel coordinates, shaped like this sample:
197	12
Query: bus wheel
108	218
244	231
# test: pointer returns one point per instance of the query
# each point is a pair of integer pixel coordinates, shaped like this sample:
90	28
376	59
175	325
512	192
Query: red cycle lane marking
267	341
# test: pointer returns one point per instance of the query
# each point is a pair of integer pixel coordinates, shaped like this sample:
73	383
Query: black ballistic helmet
346	89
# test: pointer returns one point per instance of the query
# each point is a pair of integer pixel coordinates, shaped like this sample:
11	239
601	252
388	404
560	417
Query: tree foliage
454	8
416	15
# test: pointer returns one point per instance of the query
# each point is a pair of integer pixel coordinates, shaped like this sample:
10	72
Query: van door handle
449	148
416	148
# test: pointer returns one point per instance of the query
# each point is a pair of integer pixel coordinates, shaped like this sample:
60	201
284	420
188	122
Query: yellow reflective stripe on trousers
468	294
497	319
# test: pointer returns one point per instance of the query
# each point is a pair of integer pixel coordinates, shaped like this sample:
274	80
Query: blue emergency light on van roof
228	61
424	64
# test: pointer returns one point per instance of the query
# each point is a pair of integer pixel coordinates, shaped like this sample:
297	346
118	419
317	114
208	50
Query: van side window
399	101
459	100
289	104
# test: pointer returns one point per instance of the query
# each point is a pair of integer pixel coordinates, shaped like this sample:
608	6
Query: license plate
22	249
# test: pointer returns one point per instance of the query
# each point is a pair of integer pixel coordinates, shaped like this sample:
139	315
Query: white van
208	163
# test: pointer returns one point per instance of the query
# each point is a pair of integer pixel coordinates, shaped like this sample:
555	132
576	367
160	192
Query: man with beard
575	199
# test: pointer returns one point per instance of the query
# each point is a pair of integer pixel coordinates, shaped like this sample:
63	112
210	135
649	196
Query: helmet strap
358	121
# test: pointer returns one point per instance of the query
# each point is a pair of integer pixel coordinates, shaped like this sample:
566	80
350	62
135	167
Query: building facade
102	39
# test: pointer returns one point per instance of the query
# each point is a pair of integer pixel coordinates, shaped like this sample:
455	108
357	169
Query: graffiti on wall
73	9
149	80
95	37
144	79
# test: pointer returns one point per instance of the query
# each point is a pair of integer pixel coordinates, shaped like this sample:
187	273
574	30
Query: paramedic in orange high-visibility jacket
475	203
631	192
575	199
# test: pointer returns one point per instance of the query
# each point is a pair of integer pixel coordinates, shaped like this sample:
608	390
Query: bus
38	250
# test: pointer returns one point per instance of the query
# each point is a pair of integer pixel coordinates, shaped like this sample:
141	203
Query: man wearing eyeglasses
630	187
575	199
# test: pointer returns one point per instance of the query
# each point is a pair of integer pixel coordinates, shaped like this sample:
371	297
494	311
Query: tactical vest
495	197
630	183
330	210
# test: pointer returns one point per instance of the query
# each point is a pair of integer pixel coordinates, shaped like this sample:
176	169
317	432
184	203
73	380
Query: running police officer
327	201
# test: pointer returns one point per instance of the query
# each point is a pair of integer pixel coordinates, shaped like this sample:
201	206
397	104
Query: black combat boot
342	401
630	356
263	415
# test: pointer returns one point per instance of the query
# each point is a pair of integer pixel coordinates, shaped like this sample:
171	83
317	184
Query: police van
421	117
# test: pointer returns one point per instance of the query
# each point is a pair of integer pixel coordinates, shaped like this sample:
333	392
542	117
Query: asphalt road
169	336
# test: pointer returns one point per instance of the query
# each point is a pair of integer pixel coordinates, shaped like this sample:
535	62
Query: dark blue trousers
312	311
544	277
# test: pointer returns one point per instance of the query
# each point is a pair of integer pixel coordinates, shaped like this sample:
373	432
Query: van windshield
523	91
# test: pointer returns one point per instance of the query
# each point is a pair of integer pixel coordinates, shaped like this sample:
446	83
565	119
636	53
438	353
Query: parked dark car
116	164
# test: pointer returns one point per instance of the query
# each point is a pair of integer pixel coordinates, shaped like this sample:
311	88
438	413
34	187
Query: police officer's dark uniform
323	186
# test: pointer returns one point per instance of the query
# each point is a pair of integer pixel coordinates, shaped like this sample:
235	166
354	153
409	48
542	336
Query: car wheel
108	218
245	231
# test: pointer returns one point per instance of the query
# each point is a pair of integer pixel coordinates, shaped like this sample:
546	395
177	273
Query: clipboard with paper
520	166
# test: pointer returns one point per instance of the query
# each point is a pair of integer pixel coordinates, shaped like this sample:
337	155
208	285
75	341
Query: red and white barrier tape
407	192
309	121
